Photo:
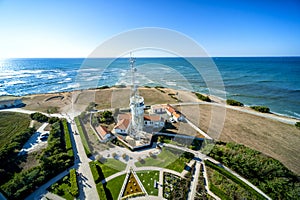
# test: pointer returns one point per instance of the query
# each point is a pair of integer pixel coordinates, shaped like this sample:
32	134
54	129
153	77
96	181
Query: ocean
269	81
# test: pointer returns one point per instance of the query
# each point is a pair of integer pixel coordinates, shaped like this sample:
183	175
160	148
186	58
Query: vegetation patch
67	187
67	136
103	87
268	174
39	117
53	160
175	187
111	189
132	188
179	164
83	138
234	102
101	171
229	186
12	124
148	179
201	192
297	124
262	109
203	97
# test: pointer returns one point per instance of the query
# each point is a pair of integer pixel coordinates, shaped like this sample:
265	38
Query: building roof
102	130
158	106
122	124
124	116
170	109
176	114
153	118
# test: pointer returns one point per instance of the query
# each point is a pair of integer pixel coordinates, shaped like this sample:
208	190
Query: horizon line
263	56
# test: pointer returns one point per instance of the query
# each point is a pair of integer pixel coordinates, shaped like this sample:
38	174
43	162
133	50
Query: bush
202	97
52	120
39	117
262	109
103	87
234	102
297	124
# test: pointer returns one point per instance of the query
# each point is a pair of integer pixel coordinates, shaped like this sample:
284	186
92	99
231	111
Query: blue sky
31	28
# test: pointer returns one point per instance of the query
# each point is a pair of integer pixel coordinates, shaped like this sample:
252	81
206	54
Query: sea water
269	81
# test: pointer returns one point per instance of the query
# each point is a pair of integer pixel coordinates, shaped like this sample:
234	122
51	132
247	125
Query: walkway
87	187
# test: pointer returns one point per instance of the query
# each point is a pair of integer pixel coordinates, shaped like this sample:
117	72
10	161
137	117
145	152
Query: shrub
39	117
262	109
297	124
234	102
203	97
52	120
103	87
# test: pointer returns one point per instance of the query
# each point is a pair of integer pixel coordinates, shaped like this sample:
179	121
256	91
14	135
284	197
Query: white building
155	121
158	109
172	112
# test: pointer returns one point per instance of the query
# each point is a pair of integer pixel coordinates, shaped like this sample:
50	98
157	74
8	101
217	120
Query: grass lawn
163	159
115	185
166	159
115	164
11	124
111	166
148	177
178	165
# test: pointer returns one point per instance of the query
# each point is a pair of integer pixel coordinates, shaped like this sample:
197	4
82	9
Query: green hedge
234	102
67	138
262	109
82	136
74	186
203	97
234	179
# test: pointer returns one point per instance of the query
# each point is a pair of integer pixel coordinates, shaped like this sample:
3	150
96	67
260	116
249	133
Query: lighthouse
137	105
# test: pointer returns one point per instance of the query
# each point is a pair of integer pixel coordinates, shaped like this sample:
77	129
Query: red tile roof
122	124
154	118
170	109
102	130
